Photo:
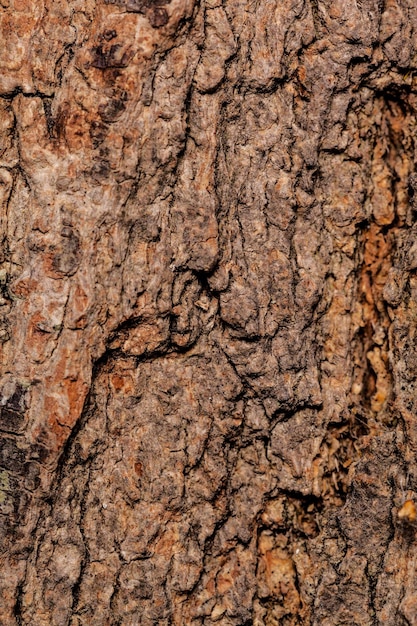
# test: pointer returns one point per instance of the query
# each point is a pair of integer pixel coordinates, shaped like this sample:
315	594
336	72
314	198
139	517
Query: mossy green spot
4	485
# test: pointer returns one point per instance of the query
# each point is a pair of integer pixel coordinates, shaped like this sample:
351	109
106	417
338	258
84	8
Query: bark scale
208	312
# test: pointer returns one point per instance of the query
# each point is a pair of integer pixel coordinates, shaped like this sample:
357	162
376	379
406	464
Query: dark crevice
50	122
17	612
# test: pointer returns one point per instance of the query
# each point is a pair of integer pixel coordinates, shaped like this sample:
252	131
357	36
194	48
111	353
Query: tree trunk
209	312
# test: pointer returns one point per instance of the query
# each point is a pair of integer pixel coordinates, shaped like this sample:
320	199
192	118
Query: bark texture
208	312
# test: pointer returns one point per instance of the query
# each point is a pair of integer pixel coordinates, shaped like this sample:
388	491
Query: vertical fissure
388	211
382	143
372	378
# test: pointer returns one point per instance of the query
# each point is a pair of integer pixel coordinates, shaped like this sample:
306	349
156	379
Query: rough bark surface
208	312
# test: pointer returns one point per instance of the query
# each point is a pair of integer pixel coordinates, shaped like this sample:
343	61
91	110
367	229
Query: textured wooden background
208	312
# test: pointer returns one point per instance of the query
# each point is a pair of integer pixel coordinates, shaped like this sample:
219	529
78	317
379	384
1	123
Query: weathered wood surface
208	312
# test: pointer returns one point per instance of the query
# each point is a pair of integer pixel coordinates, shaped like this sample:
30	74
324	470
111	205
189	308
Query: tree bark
208	312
